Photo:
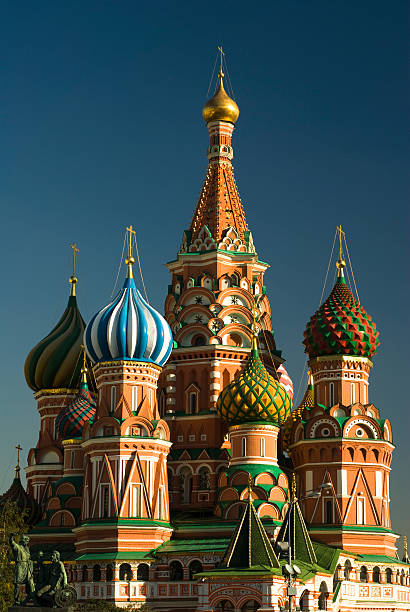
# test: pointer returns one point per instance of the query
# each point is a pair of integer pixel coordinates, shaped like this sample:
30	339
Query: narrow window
105	502
192	403
135	501
331	394
243	447
151	397
135	399
72	458
360	511
352	393
113	397
328	512
262	447
364	394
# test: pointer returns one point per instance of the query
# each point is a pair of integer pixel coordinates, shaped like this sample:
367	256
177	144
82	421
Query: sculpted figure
56	579
23	567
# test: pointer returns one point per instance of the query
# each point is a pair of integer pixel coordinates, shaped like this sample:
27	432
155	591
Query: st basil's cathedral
170	468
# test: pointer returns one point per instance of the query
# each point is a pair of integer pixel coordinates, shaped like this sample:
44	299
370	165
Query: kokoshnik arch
167	444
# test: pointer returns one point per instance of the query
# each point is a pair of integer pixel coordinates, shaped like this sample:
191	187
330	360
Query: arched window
96	573
348	569
84	574
199	340
109	573
389	575
402	578
323	596
126	572
185	481
135	398
363	574
304	601
176	572
352	393
143	572
195	567
243	447
328	512
204	479
376	574
262	447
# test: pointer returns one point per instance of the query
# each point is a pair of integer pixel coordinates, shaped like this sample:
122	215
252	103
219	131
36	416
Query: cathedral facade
170	468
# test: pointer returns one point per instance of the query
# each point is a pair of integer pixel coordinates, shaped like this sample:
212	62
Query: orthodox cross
19	449
341	233
130	231
73	245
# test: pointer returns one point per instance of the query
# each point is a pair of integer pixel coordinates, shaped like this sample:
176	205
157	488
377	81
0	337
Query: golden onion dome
221	107
255	396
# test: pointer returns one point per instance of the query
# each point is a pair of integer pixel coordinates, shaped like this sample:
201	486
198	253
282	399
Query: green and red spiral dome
341	326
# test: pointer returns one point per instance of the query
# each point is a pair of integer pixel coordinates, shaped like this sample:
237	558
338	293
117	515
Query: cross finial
130	259
340	264
84	369
73	278
221	72
17	468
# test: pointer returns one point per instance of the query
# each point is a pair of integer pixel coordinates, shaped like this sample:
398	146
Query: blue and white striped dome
128	328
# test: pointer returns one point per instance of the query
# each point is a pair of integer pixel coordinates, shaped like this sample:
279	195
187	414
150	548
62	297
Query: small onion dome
254	396
308	401
128	328
53	363
285	380
221	107
73	417
24	502
341	326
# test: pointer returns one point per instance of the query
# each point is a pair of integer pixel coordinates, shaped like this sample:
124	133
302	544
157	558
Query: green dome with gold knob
255	396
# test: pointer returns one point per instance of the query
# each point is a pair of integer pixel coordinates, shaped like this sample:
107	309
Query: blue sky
100	110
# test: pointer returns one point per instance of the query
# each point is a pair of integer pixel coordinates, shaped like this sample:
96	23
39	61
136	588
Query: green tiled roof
146	556
294	531
249	545
197	545
381	559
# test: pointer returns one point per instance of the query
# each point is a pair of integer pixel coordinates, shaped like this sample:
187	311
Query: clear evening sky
101	127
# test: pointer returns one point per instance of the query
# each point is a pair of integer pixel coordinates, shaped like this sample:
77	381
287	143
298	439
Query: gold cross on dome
341	233
73	245
19	449
130	231
221	67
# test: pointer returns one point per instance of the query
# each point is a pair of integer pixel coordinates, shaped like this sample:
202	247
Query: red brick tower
217	279
340	438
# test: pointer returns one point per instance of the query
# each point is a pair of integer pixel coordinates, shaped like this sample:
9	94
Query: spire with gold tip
341	326
54	362
16	494
221	107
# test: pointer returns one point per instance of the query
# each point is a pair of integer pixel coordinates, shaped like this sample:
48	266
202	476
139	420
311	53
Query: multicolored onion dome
308	401
285	380
54	362
128	328
254	396
24	502
341	326
72	418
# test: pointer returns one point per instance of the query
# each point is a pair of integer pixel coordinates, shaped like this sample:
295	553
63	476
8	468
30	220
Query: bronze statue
57	577
23	568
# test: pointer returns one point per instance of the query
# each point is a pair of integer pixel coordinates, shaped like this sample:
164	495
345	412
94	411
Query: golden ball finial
73	280
221	107
340	264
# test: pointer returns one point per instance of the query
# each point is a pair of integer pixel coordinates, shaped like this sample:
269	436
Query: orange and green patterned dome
341	326
255	396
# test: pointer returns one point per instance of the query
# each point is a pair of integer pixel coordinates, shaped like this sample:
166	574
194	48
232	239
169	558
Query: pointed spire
17	468
295	533
405	555
84	370
249	545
